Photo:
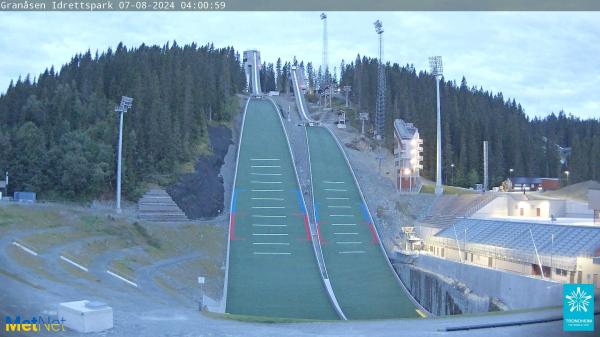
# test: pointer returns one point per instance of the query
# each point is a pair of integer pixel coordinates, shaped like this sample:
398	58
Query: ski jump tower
252	68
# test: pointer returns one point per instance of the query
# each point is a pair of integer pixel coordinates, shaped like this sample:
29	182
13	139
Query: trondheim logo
578	300
578	307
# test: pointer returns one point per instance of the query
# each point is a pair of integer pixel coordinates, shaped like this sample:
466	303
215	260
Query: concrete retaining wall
516	291
442	295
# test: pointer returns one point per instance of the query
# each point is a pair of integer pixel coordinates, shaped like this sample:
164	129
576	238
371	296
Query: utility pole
121	109
437	70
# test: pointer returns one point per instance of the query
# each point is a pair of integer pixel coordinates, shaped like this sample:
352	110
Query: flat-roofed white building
565	253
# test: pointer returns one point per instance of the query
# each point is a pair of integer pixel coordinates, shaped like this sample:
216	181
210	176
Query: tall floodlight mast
325	46
380	103
326	85
437	70
122	108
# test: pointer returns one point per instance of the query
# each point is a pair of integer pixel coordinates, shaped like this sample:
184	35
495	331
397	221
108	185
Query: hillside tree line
58	132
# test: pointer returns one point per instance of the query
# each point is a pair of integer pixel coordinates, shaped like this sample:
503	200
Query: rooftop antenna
437	71
380	103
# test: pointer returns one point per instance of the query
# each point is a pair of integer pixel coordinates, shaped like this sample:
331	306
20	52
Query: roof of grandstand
569	240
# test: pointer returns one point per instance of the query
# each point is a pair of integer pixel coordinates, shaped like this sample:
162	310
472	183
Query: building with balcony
408	150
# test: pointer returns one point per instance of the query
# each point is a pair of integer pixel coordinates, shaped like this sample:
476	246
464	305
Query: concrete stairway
157	206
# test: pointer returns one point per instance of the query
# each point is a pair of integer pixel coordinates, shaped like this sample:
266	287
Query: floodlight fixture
437	68
126	103
378	26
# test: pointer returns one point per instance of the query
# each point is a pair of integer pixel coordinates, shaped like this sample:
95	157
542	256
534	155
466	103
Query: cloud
547	61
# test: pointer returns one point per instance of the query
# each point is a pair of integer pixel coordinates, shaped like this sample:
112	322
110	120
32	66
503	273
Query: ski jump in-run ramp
364	284
272	269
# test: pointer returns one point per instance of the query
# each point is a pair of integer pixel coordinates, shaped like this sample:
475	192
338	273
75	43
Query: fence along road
272	269
362	280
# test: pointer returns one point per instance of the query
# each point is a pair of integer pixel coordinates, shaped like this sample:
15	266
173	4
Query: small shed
86	316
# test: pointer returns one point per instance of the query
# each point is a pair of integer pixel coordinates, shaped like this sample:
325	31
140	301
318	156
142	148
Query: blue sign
578	307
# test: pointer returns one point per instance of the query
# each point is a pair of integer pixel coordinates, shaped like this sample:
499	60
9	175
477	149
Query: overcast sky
546	61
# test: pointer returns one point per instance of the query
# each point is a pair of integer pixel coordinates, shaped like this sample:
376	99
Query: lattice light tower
437	70
380	102
326	85
325	44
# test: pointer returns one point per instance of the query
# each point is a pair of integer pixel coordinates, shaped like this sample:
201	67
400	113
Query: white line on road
271	243
349	242
268	216
73	263
352	252
265	253
280	199
30	251
122	278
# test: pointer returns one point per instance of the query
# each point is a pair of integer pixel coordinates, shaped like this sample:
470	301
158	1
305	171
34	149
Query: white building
408	149
565	253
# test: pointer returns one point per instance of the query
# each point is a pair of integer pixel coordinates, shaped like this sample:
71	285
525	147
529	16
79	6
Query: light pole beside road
126	103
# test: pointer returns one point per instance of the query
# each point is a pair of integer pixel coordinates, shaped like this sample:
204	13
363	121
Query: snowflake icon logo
578	300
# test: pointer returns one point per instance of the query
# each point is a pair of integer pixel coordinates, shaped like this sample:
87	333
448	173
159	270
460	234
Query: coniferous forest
471	115
58	132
